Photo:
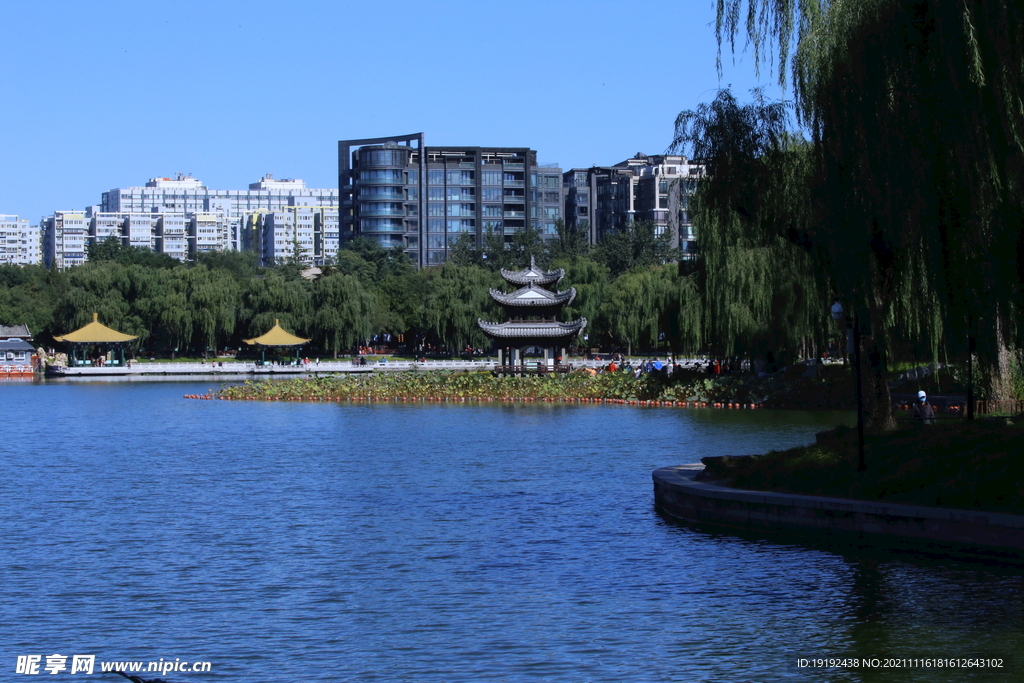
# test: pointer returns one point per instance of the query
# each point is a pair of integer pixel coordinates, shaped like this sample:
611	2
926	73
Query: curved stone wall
937	530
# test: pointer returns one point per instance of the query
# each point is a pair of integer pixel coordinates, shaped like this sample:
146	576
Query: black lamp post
837	315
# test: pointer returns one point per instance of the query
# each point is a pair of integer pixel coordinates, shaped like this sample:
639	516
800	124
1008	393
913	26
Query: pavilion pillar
501	354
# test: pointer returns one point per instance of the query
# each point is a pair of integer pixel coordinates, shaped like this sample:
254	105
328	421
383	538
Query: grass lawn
954	464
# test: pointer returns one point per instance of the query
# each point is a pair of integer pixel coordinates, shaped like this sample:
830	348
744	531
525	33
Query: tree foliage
906	196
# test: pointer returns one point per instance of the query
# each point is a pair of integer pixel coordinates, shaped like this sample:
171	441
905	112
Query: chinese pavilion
276	336
96	344
532	317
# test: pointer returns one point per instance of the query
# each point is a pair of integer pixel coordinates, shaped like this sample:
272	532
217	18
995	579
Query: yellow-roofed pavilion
276	336
97	335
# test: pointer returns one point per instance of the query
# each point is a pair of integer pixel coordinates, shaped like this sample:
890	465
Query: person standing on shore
923	410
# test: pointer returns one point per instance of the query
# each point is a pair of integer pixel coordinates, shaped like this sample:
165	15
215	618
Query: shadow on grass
970	466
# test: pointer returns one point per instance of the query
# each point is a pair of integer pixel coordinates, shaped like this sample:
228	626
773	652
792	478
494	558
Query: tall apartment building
326	233
644	188
285	234
64	238
19	241
401	193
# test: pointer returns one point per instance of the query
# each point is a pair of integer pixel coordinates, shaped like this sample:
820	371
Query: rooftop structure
14	332
268	182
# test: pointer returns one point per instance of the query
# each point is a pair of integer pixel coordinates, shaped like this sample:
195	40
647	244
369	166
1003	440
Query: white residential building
181	217
19	241
185	194
287	233
172	235
64	239
326	234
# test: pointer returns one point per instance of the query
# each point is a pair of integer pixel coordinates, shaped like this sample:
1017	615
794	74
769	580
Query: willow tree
277	297
651	306
591	280
762	291
457	296
343	312
917	127
214	297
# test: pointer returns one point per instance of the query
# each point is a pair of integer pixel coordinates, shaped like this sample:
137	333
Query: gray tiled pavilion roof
15	346
533	274
19	331
532	330
533	296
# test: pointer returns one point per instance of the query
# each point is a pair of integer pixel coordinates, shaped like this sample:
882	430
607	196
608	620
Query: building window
461	209
461	226
460	177
456	194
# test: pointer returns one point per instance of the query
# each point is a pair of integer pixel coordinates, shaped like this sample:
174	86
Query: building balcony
382	212
515	183
367	229
515	214
382	197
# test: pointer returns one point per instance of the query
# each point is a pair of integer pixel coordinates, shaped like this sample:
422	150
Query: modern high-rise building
644	188
19	241
401	193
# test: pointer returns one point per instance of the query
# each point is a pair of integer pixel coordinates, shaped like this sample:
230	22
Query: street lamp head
837	310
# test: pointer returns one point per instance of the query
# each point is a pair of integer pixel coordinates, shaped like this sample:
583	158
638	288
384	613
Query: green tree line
630	289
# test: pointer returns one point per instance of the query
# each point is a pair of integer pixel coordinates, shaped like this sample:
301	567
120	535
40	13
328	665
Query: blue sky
99	95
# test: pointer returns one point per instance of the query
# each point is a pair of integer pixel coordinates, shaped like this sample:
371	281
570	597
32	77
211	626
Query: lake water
334	542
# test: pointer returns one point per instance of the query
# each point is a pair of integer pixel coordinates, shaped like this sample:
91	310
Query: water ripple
289	542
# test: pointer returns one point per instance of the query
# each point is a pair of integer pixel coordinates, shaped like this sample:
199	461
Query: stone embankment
680	493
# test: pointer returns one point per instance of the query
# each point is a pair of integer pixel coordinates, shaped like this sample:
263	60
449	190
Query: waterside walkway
324	366
930	529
